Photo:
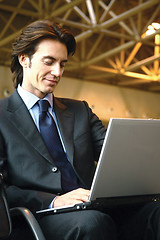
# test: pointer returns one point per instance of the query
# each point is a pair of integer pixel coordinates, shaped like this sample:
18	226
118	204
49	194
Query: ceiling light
152	28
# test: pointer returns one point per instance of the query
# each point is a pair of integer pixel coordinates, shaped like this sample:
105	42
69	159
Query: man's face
42	73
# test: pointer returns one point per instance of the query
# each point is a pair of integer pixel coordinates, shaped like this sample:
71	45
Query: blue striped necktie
49	132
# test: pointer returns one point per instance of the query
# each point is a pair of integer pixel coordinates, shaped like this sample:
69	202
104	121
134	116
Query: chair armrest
5	219
30	219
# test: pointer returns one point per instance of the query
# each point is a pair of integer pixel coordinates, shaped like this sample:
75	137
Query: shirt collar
30	99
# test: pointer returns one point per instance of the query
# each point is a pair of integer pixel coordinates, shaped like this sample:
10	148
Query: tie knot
43	105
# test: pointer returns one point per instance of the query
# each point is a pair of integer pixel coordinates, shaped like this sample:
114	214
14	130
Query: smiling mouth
52	80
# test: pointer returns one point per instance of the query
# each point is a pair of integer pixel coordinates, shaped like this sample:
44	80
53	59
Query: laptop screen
129	162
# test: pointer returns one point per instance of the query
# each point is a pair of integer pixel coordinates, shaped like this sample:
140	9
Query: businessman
50	145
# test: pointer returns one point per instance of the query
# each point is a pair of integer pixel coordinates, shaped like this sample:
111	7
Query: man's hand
79	195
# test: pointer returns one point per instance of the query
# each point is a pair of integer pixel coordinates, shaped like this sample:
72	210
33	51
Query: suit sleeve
97	132
31	199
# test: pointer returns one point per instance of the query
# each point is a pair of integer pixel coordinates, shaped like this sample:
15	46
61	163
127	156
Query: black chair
7	217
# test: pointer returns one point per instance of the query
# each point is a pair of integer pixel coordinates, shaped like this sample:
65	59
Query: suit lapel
65	121
21	119
19	116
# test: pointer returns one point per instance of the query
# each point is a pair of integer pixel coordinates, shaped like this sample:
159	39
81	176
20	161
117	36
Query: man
49	145
35	180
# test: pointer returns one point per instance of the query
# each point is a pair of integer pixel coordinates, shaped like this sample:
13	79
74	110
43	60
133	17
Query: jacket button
54	169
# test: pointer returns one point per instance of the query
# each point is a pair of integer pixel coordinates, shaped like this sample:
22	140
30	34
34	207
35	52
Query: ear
23	60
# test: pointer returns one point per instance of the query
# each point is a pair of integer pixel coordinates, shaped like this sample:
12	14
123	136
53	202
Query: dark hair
28	40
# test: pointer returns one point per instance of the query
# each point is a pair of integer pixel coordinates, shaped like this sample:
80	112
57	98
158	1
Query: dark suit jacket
32	180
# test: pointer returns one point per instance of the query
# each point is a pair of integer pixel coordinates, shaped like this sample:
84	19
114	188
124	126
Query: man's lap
132	223
86	225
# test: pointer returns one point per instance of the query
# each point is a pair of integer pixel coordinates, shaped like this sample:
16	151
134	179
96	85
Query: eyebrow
54	59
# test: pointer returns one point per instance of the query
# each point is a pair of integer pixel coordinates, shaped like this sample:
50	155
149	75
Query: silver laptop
128	170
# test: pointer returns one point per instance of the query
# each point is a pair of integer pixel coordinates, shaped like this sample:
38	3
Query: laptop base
103	204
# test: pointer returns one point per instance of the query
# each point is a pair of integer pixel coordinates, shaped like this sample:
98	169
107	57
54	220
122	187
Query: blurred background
116	68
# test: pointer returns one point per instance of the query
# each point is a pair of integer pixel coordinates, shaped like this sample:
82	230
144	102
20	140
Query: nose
56	70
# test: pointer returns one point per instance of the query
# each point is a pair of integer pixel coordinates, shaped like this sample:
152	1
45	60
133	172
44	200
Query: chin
50	90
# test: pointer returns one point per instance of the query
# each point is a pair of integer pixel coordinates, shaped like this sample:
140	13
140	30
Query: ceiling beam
80	13
143	62
10	20
65	7
113	15
128	13
9	38
115	50
20	11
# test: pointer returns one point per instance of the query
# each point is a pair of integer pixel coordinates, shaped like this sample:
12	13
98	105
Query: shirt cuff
52	203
